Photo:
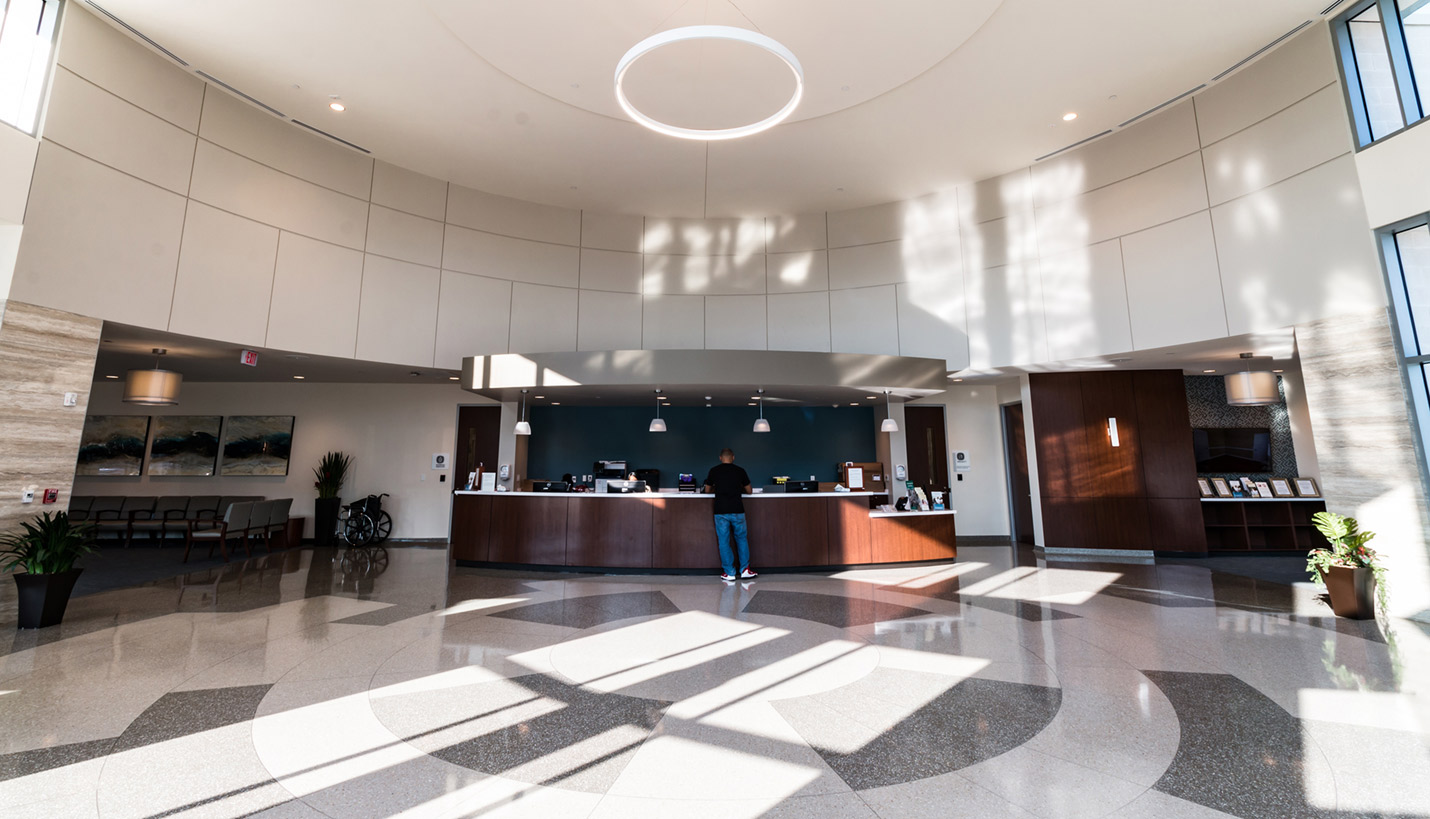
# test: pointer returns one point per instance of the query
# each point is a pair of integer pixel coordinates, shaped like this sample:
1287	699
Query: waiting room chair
168	514
258	522
120	521
79	506
233	526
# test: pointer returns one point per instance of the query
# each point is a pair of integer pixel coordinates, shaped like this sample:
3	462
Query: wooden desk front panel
529	530
788	531
683	534
471	524
915	537
849	531
615	533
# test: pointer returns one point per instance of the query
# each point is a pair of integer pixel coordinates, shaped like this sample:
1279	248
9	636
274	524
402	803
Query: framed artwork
112	445
257	444
1281	488
1205	486
1263	489
1306	488
184	445
1223	489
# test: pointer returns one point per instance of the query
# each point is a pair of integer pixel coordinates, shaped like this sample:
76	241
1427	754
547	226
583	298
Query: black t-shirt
728	482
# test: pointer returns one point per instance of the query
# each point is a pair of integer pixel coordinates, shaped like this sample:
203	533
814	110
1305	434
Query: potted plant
331	471
46	549
1348	570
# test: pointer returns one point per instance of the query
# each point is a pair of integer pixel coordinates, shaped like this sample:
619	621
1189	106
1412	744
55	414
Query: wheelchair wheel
358	529
383	527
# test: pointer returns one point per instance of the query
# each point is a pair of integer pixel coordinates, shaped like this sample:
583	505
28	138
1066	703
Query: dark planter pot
43	597
1352	592
325	519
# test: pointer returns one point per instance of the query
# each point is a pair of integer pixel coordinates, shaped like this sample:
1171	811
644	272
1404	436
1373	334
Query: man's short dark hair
727	451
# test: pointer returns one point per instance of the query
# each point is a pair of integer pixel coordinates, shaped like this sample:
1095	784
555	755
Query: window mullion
1391	24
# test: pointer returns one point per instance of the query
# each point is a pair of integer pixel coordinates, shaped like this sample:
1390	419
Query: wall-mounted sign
439	460
248	358
960	460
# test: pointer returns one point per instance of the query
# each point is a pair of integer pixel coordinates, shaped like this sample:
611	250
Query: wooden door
478	442
928	446
1020	489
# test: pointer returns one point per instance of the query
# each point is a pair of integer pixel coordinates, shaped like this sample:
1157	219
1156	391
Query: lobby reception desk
673	531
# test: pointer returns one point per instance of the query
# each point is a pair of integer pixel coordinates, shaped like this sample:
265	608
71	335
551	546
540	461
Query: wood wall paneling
1061	443
1169	465
529	530
1116	471
1069	523
1176	524
916	537
609	532
471	525
849	531
1121	523
683	534
788	531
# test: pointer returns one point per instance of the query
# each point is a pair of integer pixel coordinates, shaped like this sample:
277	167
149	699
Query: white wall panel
1174	291
95	51
1154	141
225	277
404	236
408	191
799	321
611	231
864	320
797	272
98	242
1303	136
998	242
397	319
512	217
931	320
311	273
262	137
672	322
503	257
997	198
704	237
1298	250
474	318
868	265
130	139
1085	302
704	275
543	319
239	185
608	321
17	165
935	213
1289	73
610	270
802	232
1006	321
735	323
1395	176
1160	195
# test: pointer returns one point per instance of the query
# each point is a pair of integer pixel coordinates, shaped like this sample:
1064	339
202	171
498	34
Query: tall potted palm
46	548
330	472
1348	570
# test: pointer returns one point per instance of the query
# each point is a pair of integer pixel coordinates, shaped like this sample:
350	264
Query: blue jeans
723	525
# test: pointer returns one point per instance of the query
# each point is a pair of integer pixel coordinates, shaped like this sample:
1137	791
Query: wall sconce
1112	431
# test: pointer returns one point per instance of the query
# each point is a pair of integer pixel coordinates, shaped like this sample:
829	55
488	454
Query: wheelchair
365	522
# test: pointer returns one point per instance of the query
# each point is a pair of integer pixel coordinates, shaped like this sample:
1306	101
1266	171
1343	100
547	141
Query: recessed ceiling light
956	380
300	377
337	106
1119	360
751	404
1274	371
453	378
1069	116
555	403
542	396
708	398
853	403
871	397
112	376
1208	372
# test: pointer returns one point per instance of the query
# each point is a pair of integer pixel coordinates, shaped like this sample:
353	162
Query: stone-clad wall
44	353
1365	445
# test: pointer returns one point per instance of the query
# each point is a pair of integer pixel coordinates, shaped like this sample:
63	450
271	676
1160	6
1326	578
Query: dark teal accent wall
803	441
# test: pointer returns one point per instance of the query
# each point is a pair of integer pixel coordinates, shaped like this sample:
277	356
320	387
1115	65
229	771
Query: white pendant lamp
889	425
522	426
762	425
1250	388
657	424
153	388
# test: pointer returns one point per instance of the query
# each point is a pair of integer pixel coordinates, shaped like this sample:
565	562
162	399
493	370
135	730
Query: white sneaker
748	573
728	578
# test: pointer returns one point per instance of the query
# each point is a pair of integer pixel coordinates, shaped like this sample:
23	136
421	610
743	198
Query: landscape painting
112	445
257	444
184	445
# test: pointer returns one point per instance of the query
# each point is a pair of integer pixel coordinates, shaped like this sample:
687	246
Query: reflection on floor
316	683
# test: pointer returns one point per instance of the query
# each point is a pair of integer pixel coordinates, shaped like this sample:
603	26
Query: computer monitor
550	486
624	487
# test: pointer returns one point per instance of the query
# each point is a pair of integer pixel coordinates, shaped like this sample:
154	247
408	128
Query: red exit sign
248	358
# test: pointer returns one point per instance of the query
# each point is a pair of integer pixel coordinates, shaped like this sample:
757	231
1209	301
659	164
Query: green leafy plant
50	544
1348	549
331	471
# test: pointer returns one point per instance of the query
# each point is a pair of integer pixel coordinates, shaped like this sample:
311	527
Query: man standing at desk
727	482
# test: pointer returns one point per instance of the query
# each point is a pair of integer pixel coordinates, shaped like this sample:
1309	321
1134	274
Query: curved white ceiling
903	98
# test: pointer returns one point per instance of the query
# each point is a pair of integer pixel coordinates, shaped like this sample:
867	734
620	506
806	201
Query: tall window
27	38
1406	249
1384	51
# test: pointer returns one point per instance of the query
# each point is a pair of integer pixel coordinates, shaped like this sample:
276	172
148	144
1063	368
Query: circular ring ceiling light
731	33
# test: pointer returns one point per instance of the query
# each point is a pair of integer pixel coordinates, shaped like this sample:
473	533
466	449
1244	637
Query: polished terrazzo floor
311	684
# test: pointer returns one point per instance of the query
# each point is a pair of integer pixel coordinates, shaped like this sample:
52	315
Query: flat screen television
1232	450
